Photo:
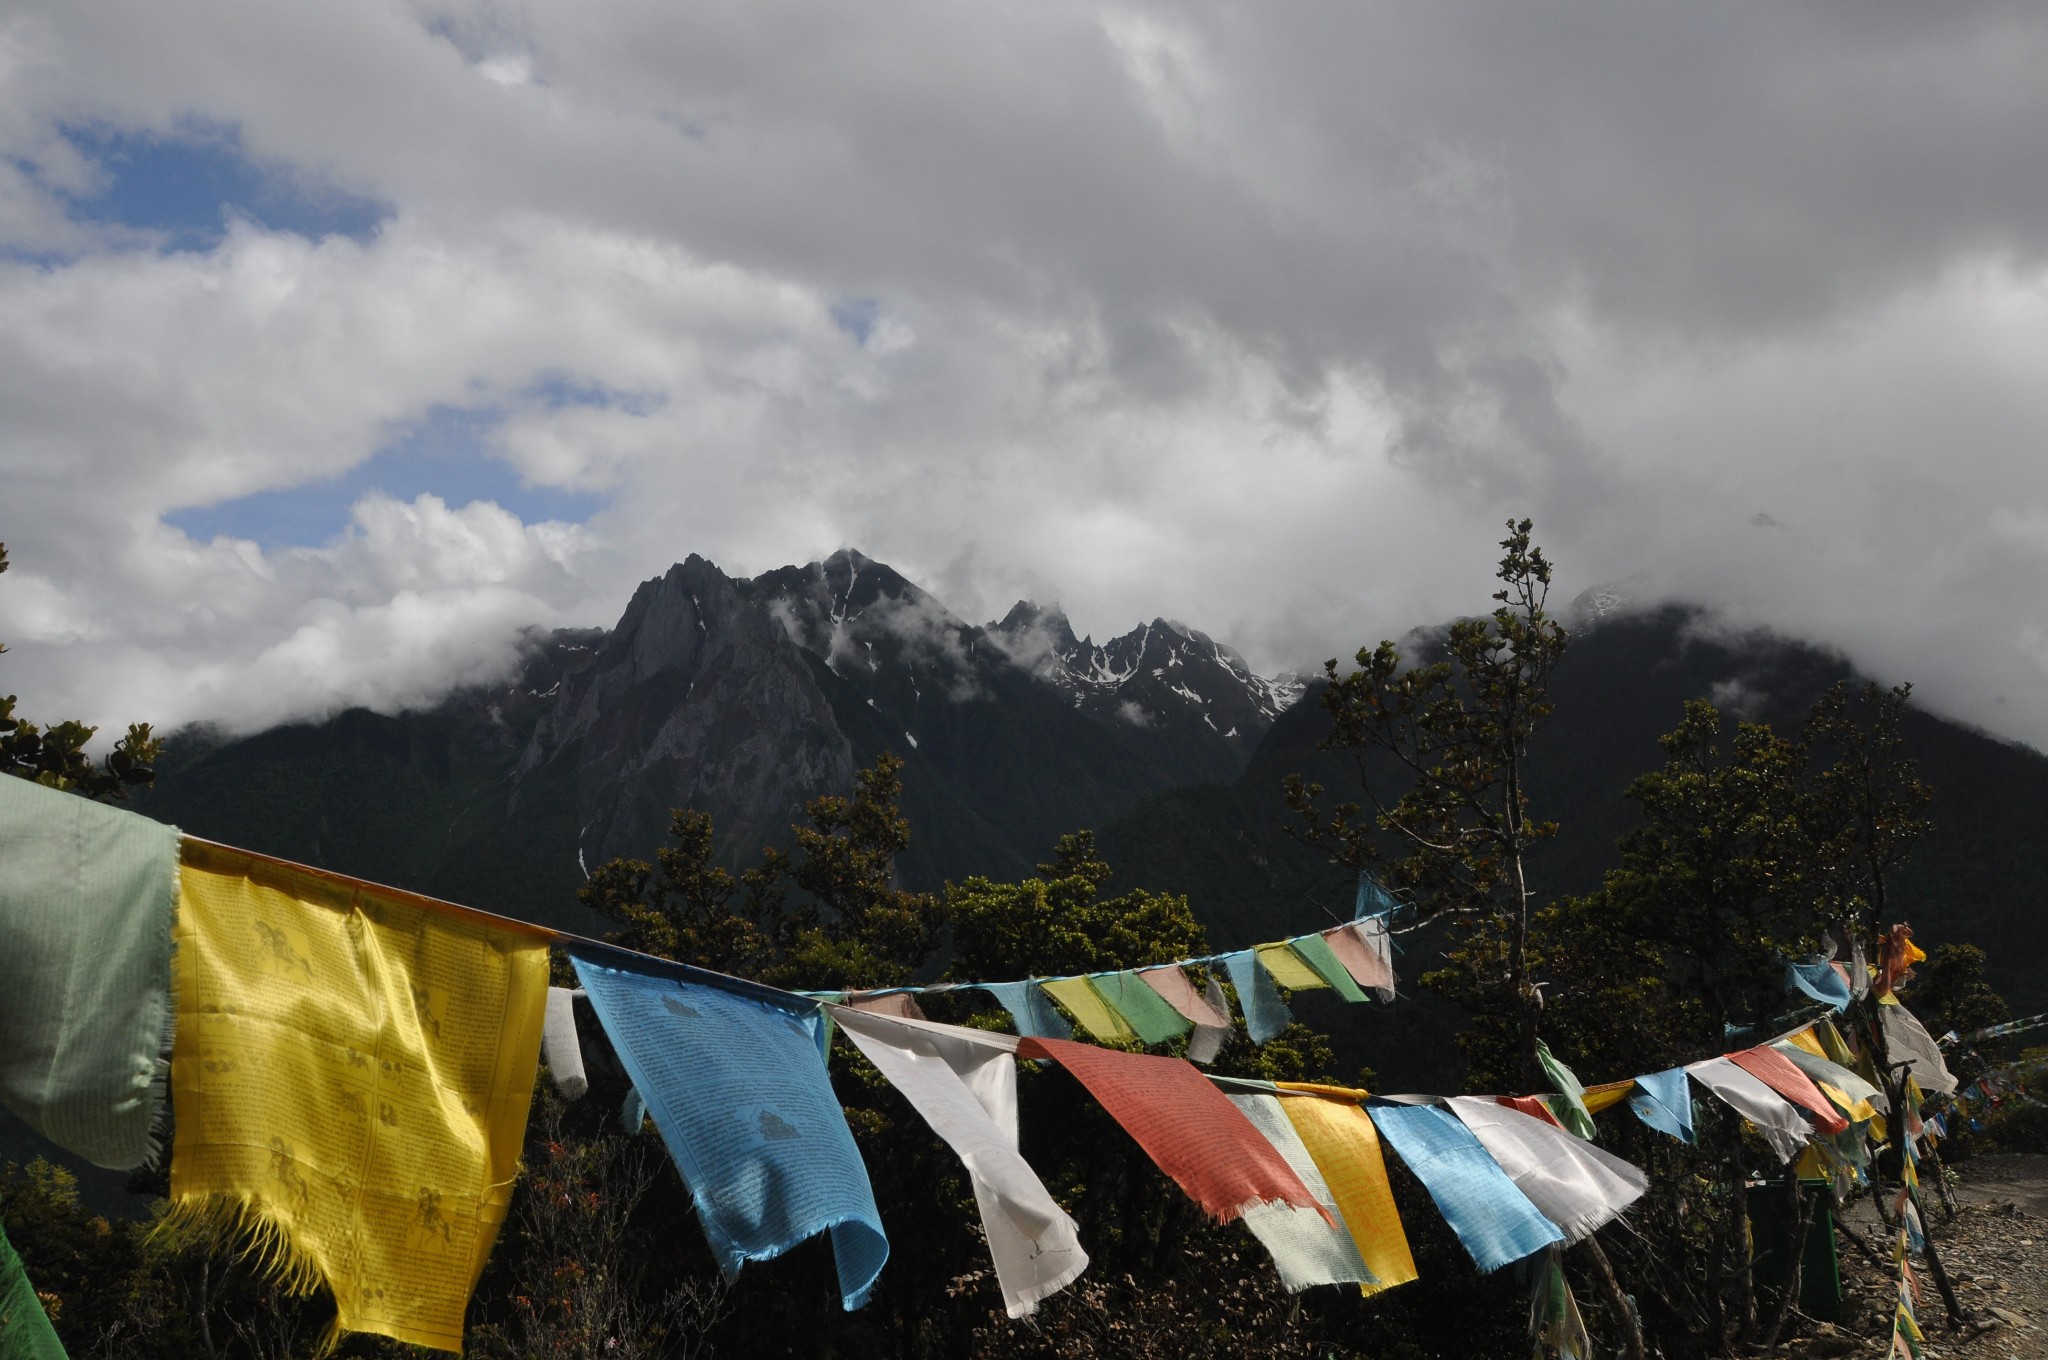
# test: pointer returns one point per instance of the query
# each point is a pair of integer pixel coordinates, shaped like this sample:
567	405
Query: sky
345	342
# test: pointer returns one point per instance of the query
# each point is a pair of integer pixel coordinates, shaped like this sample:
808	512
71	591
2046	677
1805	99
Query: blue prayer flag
1265	1014
1030	1012
1491	1216
1663	1100
1821	982
1373	900
738	1087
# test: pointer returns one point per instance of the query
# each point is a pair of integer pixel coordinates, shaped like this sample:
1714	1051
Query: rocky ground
1995	1249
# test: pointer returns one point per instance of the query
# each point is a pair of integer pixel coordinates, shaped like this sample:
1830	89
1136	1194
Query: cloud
413	599
1264	320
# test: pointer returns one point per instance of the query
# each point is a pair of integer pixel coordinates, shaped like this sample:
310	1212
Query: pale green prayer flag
1315	951
1143	1009
1571	1109
87	896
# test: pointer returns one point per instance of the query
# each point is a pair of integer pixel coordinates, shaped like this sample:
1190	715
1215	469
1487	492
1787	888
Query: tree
1453	734
1059	923
1714	891
1684	943
684	909
1948	992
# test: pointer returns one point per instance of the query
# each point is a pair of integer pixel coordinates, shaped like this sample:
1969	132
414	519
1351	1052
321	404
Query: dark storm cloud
1262	317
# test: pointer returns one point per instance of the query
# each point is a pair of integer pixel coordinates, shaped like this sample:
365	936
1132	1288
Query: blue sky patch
857	317
445	454
189	184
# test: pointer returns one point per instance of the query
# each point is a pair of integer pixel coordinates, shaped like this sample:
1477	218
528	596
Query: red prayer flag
1532	1106
1187	1127
1776	1071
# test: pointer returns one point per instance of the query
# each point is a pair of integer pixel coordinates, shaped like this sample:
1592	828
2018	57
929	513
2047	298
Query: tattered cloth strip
1778	1072
1186	1126
1306	1248
2019	1026
1908	1041
1492	1218
1820	980
737	1085
1856	1097
1379	938
1608	1094
902	1005
1315	951
1029	1011
560	1047
86	895
1804	1040
1288	969
1532	1106
1209	1039
1834	1047
1208	1011
1090	1010
351	1076
964	1083
1368	968
1663	1100
1555	1326
1571	1110
1777	1118
1143	1009
25	1330
1574	1184
1896	958
1265	1015
1345	1147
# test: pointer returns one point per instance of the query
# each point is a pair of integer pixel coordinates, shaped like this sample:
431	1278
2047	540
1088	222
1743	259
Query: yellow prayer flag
1807	1040
1345	1147
1608	1094
1287	967
1317	1088
1082	1001
351	1076
1852	1109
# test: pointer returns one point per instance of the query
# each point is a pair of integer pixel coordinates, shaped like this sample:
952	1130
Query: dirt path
1996	1251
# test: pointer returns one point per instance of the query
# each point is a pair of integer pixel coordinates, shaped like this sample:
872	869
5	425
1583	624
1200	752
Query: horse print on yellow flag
351	1077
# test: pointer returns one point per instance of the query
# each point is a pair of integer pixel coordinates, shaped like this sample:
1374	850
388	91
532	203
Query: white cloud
1258	319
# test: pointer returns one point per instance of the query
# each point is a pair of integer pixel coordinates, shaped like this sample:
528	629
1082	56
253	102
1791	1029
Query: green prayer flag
1144	1010
1315	951
1570	1109
25	1331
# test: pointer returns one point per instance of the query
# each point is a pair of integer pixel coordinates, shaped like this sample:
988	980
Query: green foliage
1058	923
55	756
1948	991
2019	1121
828	913
70	1253
1453	734
852	926
1715	890
825	916
571	1284
684	911
1867	800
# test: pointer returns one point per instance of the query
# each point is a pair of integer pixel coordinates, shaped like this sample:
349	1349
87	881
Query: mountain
744	698
1975	878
